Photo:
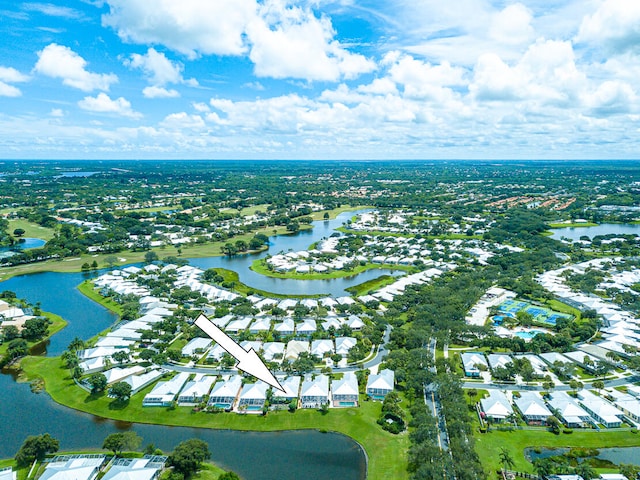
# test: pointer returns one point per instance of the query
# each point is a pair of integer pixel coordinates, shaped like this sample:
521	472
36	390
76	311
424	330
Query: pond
253	455
616	455
23	244
574	233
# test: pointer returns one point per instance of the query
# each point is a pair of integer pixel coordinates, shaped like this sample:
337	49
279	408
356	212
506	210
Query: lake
574	233
253	455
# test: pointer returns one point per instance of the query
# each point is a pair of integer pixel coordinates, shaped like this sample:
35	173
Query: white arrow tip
253	365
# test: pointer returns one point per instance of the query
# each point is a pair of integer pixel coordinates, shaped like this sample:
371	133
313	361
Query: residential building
496	407
473	363
532	408
196	390
567	408
344	392
224	393
315	391
164	393
380	384
252	397
73	467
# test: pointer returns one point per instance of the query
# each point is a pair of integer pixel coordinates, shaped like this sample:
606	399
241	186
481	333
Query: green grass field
572	225
86	288
32	230
386	452
370	285
259	266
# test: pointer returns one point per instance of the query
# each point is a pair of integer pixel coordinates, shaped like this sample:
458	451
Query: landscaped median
387	453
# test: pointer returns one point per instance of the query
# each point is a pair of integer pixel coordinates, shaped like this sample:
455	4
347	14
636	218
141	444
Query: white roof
116	374
383	380
497	405
320	347
254	391
530	404
568	407
197	343
229	388
319	387
197	387
347	385
344	344
291	386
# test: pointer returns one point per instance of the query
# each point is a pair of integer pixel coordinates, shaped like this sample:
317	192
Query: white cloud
191	27
512	25
546	73
612	97
183	120
10	75
102	103
201	107
7	90
281	39
615	24
58	61
56	112
159	92
291	42
157	67
53	10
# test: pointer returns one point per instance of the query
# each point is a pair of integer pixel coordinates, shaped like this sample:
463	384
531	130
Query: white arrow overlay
248	361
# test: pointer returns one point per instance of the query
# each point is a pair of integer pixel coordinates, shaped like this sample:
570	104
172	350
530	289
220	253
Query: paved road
376	360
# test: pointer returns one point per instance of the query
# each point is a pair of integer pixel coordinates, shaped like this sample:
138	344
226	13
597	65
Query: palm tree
506	459
76	344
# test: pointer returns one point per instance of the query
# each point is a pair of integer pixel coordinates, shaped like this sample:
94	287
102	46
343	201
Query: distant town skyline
332	79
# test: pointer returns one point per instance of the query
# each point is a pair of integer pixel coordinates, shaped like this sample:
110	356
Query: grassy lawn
386	452
32	230
371	285
232	276
86	288
558	306
488	444
337	211
572	225
259	266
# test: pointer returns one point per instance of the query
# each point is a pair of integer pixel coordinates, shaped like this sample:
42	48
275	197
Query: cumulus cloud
191	27
612	97
615	25
512	25
282	40
10	75
158	68
102	103
159	92
546	72
291	42
58	61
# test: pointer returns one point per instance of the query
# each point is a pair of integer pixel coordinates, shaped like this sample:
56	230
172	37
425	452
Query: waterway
616	455
574	233
285	243
253	455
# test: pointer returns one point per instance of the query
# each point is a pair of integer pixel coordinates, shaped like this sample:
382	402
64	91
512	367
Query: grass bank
386	452
87	289
260	266
572	225
371	285
32	230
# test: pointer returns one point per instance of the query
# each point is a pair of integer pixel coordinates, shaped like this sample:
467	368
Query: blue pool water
528	335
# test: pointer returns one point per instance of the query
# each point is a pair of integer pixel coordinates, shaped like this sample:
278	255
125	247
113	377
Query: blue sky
320	79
